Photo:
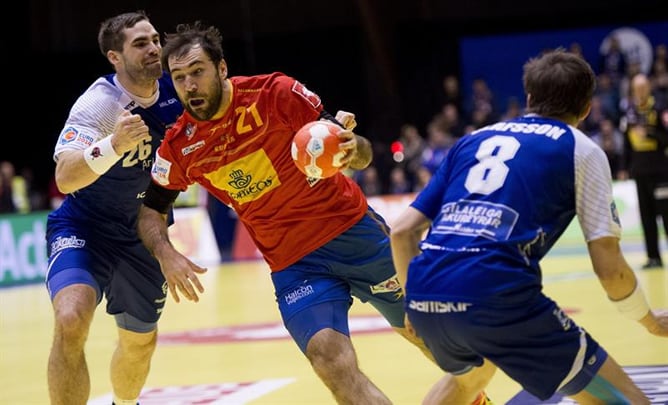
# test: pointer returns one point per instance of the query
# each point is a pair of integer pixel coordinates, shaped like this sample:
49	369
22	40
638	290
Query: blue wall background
499	59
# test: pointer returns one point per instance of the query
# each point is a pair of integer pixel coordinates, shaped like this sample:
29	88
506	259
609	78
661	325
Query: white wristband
634	306
100	156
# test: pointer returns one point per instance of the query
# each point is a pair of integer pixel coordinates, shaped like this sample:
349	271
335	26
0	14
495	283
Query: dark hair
560	84
112	36
186	36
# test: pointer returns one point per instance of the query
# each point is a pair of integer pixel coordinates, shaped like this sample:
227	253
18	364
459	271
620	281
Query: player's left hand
348	145
347	119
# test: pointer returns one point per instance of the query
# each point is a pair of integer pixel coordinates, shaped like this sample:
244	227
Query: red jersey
244	160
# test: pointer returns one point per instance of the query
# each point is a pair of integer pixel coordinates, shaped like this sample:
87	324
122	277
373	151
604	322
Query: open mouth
196	102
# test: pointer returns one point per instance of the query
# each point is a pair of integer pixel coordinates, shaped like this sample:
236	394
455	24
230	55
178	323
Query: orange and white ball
315	149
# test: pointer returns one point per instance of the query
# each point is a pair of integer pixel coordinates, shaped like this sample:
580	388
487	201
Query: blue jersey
92	238
110	204
501	199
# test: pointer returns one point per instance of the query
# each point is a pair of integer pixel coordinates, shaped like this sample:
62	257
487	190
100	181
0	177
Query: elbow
63	185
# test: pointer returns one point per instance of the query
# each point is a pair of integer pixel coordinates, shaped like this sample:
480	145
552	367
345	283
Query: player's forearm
614	274
73	173
152	230
404	248
618	279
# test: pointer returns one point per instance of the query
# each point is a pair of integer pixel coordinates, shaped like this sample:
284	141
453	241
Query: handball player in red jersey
321	240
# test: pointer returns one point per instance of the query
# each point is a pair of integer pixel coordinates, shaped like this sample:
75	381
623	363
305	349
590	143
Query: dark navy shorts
124	271
535	344
316	292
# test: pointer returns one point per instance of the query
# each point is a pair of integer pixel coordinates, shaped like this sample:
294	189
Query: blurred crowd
408	162
405	163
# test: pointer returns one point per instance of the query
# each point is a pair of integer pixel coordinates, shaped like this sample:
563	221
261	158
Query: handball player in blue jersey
469	246
103	160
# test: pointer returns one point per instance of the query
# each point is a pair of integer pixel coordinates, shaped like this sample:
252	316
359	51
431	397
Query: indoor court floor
231	348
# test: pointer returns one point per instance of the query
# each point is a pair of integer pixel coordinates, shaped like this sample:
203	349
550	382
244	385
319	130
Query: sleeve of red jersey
295	103
167	169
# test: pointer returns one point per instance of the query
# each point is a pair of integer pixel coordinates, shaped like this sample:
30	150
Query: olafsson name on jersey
550	131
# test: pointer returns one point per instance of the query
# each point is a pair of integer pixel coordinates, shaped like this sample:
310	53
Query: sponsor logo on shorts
299	293
438	307
389	285
62	243
565	321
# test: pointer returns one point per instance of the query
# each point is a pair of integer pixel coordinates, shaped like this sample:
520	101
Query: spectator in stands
513	109
482	99
451	120
596	116
645	126
369	181
611	140
18	185
6	199
659	80
414	144
613	60
55	197
452	92
439	143
608	95
399	183
421	179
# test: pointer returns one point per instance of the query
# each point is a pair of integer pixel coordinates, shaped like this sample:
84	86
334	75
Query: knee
331	350
139	344
72	324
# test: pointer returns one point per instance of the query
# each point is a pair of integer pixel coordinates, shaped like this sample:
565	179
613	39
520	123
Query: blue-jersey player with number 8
501	199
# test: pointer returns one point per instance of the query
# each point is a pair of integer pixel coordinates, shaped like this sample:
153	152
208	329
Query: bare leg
447	389
67	373
131	362
461	389
333	359
612	373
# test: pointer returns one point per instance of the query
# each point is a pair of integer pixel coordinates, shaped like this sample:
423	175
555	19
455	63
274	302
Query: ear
113	57
528	101
222	69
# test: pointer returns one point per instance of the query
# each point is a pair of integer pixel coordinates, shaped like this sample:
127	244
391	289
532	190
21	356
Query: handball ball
315	149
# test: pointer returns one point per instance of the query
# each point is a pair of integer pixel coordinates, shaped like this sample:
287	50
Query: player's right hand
181	276
129	131
656	322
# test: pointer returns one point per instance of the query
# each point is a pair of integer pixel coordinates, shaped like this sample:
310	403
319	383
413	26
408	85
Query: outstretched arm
180	273
622	287
406	233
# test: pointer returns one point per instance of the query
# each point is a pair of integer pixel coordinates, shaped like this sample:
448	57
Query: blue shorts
122	269
316	292
535	344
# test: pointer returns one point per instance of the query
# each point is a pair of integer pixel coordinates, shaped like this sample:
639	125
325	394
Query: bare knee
73	314
331	352
139	345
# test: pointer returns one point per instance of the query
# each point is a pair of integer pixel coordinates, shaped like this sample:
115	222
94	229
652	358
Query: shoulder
98	106
102	93
263	80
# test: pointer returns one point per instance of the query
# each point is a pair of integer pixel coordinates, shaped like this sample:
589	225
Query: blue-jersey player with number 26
495	207
103	160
